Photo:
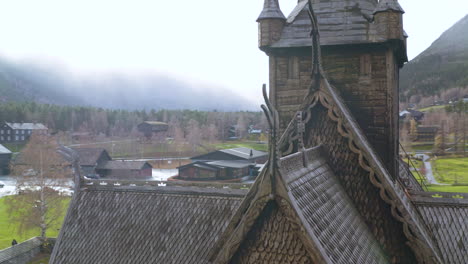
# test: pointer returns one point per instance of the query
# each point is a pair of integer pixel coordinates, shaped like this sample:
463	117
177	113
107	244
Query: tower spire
271	9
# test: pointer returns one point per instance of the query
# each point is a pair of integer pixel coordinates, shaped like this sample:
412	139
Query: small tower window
366	65
293	67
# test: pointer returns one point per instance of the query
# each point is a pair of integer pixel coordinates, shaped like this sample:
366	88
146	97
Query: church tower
363	47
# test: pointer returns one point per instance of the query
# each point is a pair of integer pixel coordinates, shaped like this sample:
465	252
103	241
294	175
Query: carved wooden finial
273	121
317	71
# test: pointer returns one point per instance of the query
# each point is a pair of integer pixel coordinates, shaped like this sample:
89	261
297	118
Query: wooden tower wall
365	75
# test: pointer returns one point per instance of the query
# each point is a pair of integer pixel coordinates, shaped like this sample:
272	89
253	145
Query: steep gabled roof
91	156
125	224
306	192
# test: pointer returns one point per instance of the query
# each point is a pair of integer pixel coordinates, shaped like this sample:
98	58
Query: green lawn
422	146
451	170
435	107
239	144
447	188
9	230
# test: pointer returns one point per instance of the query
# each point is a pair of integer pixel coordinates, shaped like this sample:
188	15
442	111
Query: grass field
239	144
9	230
447	188
435	107
451	170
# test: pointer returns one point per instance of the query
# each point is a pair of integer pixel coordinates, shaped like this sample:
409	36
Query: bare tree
440	141
194	134
42	174
241	126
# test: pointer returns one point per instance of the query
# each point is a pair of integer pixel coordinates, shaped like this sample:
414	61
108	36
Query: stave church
334	189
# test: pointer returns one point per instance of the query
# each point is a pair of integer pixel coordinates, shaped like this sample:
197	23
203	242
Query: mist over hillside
442	66
55	84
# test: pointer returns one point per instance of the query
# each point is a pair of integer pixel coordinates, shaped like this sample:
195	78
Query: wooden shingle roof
271	9
330	214
90	156
123	165
340	22
125	224
447	218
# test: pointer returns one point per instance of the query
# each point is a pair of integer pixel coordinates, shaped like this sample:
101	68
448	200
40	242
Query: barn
119	169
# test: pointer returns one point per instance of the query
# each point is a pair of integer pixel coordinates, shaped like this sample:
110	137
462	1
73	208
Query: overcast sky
202	41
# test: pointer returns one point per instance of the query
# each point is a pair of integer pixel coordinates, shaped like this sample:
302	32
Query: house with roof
416	115
333	190
224	164
124	169
427	133
97	162
242	153
5	158
211	170
19	132
150	128
91	158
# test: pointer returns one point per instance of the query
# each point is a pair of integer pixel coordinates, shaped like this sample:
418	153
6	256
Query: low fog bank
51	82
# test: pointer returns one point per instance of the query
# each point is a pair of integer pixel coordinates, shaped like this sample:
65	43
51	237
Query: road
428	167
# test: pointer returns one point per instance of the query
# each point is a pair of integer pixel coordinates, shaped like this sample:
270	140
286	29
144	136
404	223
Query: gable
364	195
272	239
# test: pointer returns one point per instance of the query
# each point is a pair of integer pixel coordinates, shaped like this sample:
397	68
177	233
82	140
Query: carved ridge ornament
420	249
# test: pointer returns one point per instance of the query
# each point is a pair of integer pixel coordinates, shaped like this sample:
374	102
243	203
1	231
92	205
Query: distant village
230	164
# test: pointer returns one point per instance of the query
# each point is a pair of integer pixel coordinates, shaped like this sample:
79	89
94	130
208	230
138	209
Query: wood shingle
144	225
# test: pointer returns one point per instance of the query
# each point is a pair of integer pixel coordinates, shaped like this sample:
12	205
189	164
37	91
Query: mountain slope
54	85
442	66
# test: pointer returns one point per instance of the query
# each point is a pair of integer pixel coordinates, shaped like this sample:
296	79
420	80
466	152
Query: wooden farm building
19	132
96	162
5	158
216	170
150	128
244	154
224	164
427	133
91	158
124	169
334	189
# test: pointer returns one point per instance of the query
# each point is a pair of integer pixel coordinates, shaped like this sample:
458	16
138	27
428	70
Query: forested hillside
442	66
